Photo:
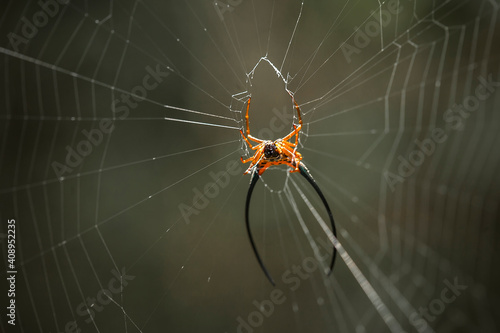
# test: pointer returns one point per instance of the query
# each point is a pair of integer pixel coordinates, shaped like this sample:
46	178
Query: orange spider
277	152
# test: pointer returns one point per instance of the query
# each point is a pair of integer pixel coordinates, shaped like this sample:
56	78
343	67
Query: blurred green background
131	205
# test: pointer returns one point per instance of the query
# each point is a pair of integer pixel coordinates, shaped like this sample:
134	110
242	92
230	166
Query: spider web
146	231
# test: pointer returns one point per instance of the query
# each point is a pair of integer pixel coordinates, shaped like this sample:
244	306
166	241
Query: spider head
270	150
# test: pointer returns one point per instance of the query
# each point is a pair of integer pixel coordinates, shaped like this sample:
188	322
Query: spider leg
248	126
290	145
294	156
307	175
255	178
292	133
247	160
296	107
296	136
255	139
246	116
255	160
244	137
296	129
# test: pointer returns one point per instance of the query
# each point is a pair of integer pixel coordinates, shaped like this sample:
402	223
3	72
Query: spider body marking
269	153
277	152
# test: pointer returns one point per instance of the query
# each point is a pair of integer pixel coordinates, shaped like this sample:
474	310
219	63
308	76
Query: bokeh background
371	77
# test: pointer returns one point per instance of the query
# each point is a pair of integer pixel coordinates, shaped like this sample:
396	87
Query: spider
277	152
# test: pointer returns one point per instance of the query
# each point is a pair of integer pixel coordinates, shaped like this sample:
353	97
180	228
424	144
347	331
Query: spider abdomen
271	152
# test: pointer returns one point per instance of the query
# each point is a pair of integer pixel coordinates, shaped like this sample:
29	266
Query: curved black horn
255	178
307	175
